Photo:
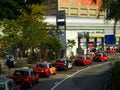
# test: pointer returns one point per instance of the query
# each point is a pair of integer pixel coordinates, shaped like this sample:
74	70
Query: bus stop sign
109	39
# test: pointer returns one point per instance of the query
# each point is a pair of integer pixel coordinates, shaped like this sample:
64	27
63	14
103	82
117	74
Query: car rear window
60	60
41	65
24	73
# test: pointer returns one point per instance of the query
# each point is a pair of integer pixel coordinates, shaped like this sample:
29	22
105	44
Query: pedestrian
9	62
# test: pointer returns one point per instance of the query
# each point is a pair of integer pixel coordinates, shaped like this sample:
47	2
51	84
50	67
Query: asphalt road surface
91	77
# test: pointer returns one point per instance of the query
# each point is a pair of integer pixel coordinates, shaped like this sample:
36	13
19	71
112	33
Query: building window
73	14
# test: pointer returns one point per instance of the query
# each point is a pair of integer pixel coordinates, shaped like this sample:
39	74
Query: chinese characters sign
82	2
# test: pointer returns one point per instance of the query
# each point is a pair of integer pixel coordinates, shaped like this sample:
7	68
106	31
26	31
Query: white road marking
58	83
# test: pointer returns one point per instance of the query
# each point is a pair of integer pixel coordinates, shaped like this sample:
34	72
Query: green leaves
70	43
11	9
54	44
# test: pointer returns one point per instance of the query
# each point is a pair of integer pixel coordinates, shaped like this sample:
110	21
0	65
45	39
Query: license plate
40	71
58	65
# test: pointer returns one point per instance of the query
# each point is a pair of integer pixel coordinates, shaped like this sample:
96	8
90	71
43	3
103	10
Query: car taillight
27	79
46	70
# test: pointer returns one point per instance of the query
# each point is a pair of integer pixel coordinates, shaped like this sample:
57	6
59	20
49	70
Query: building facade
82	24
79	29
82	8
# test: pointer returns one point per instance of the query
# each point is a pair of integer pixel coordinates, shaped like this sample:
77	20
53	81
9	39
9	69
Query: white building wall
77	24
72	35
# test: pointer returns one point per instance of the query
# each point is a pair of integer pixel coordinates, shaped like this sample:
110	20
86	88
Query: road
91	77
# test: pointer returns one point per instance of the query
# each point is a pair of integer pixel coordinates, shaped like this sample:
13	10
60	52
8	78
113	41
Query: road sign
109	39
60	16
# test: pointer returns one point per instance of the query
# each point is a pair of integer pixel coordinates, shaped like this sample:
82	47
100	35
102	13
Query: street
91	77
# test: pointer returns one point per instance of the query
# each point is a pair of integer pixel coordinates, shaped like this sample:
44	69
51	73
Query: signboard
109	39
61	14
79	2
60	23
61	19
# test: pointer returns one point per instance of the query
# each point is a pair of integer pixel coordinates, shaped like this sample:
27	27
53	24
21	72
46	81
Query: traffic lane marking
77	73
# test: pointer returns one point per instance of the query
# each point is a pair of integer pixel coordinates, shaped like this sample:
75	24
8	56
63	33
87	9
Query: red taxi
83	60
25	77
112	51
100	57
45	69
63	64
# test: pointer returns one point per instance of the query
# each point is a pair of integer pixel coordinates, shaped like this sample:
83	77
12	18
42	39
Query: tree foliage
29	31
33	27
113	11
54	44
70	43
11	9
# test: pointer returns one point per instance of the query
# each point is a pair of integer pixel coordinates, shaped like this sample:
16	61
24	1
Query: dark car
63	64
8	84
26	77
83	60
100	57
45	69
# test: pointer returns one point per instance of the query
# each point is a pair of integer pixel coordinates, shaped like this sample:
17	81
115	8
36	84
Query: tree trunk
114	29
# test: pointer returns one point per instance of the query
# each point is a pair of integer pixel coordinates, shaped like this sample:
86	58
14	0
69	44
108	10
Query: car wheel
55	73
37	81
65	68
95	60
48	75
84	63
30	84
76	64
102	60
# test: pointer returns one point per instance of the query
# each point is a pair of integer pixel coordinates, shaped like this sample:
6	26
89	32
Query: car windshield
20	72
42	65
2	86
81	57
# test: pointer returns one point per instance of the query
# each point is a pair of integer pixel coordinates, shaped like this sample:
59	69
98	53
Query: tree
28	31
113	11
70	44
54	47
11	9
